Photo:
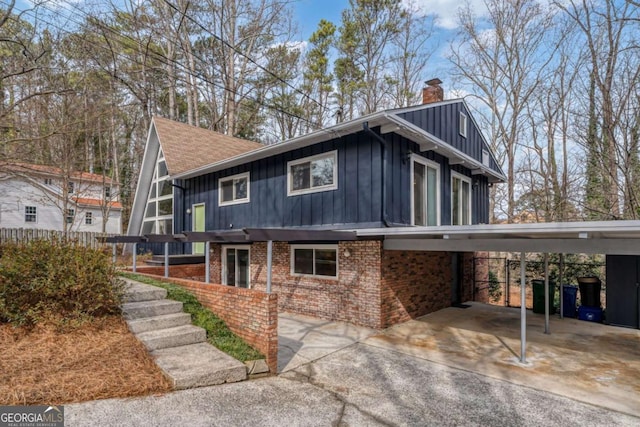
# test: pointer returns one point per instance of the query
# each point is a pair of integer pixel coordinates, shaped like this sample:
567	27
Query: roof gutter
383	147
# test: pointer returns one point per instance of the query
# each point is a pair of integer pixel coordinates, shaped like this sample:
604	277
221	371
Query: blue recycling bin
569	294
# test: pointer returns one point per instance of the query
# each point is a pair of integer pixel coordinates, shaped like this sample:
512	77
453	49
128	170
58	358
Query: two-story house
423	166
45	197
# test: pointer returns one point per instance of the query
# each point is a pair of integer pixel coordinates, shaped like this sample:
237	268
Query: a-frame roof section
187	147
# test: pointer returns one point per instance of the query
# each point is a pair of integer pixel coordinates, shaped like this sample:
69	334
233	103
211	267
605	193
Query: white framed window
463	124
425	191
88	218
236	266
460	199
71	214
314	260
48	181
158	214
107	192
71	187
234	189
30	214
313	174
486	158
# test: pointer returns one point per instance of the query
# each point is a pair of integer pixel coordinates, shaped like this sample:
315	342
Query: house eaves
592	237
388	122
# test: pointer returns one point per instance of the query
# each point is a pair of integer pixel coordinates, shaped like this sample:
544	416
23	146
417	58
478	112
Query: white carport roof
590	237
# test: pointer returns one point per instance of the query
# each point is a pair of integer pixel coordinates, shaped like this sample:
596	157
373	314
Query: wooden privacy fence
89	239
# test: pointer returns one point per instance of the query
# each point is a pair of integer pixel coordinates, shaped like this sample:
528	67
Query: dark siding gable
442	122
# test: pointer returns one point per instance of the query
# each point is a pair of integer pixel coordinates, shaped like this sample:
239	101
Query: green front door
198	225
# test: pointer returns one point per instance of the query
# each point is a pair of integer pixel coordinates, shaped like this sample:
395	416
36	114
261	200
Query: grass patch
42	365
218	334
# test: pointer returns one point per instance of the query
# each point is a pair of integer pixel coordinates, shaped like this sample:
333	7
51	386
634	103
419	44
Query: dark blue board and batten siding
356	203
443	122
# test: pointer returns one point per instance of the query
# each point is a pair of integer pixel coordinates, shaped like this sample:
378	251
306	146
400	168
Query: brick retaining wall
182	271
251	314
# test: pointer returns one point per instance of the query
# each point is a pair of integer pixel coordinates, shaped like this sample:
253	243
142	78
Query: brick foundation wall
414	283
375	287
479	264
250	314
353	297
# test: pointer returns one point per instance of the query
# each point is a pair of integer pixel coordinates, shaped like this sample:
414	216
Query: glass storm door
235	271
198	225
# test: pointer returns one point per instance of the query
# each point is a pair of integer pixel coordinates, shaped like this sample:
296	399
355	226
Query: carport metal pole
523	310
135	256
546	293
560	268
269	261
166	259
114	252
207	266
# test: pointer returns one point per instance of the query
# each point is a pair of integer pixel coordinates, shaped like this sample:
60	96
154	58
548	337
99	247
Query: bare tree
411	54
504	67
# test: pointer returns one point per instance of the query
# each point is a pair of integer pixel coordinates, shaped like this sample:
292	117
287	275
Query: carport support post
269	261
166	259
114	252
560	268
523	309
135	256
207	266
546	293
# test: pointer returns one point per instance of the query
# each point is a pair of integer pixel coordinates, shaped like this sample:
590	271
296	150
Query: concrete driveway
590	362
359	378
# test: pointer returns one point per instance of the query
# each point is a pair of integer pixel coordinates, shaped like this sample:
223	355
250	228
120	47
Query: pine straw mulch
102	359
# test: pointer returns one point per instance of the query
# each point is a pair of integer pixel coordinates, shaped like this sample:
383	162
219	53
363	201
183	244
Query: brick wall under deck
353	297
414	283
375	287
476	272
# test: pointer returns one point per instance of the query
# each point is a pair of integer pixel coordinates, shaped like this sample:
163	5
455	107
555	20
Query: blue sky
309	12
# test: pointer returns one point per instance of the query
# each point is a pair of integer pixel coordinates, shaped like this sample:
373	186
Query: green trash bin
538	296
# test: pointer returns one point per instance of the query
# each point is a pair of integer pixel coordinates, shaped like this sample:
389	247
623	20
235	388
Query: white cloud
446	11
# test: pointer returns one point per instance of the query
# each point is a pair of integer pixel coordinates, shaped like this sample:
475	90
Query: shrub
495	287
56	281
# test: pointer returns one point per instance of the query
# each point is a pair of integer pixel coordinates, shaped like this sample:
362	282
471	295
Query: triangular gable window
158	216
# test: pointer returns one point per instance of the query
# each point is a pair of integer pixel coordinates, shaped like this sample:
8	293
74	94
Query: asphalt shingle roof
189	147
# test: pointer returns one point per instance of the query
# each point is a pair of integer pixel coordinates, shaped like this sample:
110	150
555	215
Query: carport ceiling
593	237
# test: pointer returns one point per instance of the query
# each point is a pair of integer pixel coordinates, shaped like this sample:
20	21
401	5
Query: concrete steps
172	337
136	292
141	309
199	365
179	348
164	321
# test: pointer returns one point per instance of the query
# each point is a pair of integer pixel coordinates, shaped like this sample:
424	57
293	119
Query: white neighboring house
44	197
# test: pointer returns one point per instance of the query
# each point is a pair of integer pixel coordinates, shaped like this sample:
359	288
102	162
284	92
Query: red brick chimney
432	92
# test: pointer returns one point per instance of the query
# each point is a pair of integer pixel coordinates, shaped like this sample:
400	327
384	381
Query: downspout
383	146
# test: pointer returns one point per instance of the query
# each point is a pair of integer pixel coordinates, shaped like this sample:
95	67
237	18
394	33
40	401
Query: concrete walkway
303	339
